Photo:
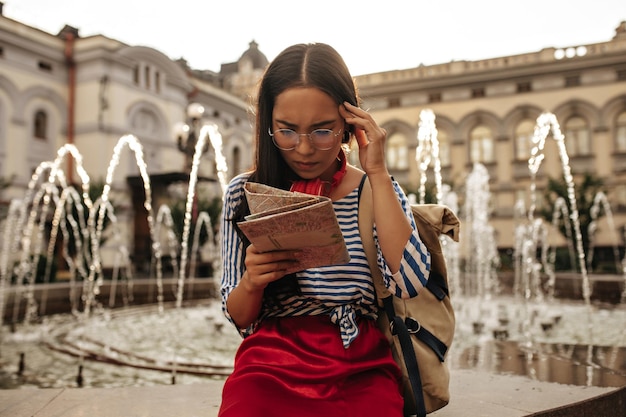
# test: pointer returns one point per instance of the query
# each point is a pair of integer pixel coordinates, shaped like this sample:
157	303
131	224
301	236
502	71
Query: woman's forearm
244	302
392	226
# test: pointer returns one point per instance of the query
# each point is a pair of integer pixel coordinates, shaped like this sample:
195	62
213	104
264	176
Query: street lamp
187	134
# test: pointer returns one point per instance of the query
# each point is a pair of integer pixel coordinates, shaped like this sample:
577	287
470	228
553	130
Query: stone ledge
473	393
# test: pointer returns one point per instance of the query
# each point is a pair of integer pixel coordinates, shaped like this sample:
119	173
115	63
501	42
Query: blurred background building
486	112
58	89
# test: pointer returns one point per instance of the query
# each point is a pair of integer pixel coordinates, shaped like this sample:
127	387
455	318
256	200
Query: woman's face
304	110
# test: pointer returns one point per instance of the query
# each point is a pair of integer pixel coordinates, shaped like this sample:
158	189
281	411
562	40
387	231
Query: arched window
620	132
145	122
147	78
444	148
524	139
157	81
40	125
236	161
620	196
136	74
397	152
577	137
481	145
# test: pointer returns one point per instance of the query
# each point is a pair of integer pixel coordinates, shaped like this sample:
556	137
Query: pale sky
372	36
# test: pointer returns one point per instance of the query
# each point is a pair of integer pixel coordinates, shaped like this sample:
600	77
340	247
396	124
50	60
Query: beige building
60	90
89	92
485	112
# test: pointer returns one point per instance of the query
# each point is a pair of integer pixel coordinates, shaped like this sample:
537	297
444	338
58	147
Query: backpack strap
398	326
437	285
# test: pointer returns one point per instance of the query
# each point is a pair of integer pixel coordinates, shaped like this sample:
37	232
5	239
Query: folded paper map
282	219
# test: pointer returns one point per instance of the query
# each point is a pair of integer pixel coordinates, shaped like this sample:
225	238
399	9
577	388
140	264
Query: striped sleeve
414	270
231	245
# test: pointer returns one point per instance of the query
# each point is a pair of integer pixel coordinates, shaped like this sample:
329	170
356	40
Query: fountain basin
59	297
142	345
127	355
146	346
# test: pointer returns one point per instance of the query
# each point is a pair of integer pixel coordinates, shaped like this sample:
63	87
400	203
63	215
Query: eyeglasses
288	139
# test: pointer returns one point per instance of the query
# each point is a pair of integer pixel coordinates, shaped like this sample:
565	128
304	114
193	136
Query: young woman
311	346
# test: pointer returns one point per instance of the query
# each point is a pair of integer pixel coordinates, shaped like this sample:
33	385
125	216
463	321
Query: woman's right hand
265	267
244	302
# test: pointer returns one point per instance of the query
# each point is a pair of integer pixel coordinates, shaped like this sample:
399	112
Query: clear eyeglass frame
294	137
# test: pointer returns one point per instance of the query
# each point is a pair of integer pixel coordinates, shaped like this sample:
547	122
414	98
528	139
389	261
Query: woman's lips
305	166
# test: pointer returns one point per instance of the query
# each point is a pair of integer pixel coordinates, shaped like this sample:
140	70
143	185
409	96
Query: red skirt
297	366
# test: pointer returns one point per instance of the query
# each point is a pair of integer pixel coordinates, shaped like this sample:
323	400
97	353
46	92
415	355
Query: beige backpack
420	330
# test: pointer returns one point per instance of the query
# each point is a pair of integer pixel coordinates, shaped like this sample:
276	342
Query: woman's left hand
392	225
370	137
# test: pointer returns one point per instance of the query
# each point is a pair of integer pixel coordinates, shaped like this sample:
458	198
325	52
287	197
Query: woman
311	346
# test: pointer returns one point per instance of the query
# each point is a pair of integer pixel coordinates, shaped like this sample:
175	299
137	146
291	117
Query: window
45	66
521	202
397	155
434	98
620	132
620	197
393	102
40	125
145	122
444	148
572	81
524	139
236	163
524	87
146	71
478	92
136	75
481	145
577	137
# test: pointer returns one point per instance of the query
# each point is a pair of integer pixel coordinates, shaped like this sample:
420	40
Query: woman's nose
304	145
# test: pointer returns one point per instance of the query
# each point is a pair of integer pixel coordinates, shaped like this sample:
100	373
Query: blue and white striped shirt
341	291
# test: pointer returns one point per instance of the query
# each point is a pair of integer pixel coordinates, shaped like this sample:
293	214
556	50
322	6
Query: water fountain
600	202
173	343
530	326
82	222
427	156
480	271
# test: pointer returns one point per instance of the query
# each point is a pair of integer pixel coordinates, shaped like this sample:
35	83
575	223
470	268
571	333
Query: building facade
59	90
89	92
486	111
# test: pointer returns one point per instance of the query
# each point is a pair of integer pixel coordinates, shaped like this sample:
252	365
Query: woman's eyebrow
284	122
314	125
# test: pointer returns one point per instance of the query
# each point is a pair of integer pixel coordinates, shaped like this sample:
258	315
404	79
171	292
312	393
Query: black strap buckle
412	325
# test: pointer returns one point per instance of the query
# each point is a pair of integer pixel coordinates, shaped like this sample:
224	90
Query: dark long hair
304	65
315	65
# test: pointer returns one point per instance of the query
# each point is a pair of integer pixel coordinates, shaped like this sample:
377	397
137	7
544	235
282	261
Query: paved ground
474	393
